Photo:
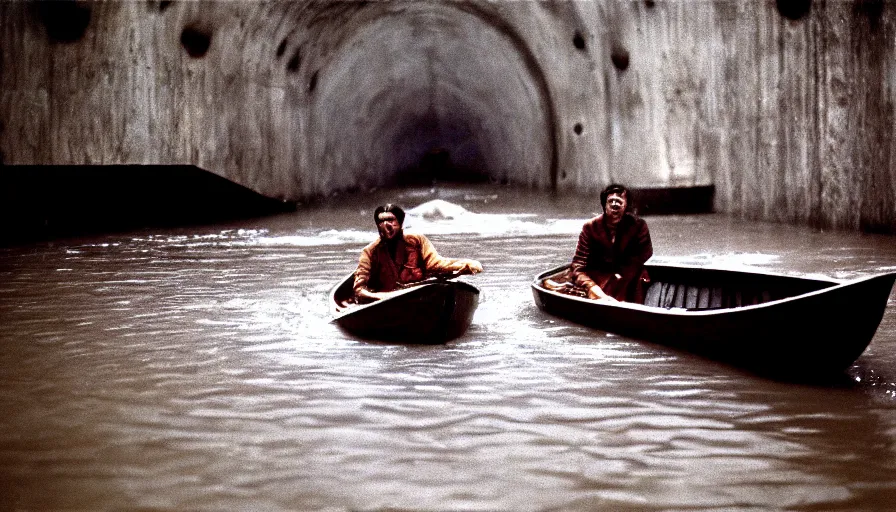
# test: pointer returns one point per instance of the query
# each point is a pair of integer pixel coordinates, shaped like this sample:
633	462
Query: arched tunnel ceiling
429	77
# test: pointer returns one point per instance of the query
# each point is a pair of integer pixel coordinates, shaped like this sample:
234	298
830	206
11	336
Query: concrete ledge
675	200
41	202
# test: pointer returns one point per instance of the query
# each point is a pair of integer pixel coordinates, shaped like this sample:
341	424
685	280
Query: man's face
387	225
615	207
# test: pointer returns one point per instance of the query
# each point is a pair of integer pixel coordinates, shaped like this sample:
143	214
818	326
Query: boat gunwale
413	290
835	284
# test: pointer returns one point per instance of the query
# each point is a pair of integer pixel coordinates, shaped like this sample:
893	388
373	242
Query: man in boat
611	252
397	258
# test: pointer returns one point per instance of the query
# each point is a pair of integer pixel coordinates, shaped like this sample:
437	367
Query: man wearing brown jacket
611	252
397	258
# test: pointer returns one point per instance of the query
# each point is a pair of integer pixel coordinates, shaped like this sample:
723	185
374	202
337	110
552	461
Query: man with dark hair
612	249
398	258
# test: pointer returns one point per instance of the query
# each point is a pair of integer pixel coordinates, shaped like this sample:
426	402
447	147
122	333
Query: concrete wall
786	107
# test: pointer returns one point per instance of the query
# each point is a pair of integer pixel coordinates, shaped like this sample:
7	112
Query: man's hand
470	267
596	293
365	296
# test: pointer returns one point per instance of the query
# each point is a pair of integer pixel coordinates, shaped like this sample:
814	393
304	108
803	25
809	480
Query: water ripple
199	370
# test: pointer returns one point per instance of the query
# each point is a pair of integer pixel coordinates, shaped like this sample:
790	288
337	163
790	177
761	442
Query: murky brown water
195	369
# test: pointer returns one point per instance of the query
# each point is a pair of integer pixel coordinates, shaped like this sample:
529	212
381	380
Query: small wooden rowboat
434	311
762	321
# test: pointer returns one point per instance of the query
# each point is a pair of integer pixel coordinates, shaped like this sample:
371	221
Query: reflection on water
196	369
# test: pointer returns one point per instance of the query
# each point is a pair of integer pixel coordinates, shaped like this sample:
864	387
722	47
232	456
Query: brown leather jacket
415	259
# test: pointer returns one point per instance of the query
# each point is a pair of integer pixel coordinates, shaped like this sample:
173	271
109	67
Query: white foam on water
440	217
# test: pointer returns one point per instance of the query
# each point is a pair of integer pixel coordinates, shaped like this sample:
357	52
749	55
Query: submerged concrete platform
40	202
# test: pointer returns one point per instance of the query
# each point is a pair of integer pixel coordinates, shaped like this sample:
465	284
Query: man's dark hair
394	209
615	188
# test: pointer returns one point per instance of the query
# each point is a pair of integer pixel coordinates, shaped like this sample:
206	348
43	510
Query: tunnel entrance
435	166
440	112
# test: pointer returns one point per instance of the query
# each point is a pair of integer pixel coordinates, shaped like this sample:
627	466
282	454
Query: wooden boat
434	311
762	321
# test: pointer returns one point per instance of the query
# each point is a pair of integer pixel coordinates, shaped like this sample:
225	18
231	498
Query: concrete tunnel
781	108
379	94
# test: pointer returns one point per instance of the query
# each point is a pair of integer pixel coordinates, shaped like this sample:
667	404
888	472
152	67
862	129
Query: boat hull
822	330
431	313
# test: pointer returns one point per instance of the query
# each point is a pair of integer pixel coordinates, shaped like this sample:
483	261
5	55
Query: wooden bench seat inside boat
681	295
703	289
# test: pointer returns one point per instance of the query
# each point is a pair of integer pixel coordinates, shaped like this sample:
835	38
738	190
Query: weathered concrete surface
786	107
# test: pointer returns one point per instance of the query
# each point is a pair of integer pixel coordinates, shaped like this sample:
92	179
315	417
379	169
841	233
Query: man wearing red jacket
398	258
611	252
